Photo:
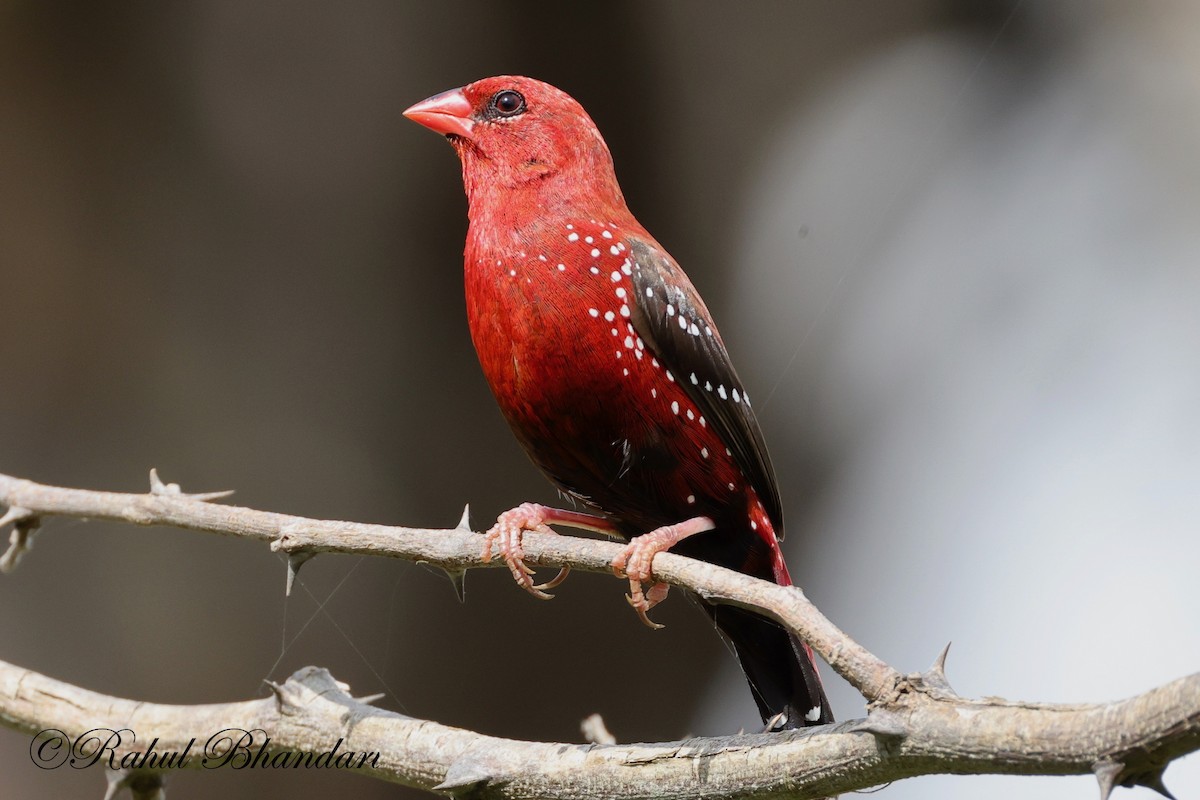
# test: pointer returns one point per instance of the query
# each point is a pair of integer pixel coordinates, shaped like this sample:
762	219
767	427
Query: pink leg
636	559
510	527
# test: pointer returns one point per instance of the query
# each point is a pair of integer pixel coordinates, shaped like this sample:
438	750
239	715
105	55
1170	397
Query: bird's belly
599	415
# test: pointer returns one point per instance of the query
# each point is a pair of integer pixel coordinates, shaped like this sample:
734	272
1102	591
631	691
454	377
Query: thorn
294	562
286	697
458	579
25	524
935	676
142	784
1106	772
157	487
939	666
1152	780
464	775
884	725
595	731
464	524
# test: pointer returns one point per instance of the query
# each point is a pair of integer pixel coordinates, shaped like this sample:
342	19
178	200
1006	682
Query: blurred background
953	247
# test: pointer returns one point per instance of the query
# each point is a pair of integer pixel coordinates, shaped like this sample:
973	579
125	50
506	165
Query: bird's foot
507	534
636	560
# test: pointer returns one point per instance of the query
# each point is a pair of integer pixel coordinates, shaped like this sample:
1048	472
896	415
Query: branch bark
916	723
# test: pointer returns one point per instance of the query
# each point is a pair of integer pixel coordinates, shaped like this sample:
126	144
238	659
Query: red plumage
610	370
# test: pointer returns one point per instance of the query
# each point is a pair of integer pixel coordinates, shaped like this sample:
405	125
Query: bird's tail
778	666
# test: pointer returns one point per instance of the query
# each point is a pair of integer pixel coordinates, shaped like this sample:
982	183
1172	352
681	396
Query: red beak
448	113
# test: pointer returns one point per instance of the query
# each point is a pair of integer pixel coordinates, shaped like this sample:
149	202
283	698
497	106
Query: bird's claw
506	536
636	560
634	563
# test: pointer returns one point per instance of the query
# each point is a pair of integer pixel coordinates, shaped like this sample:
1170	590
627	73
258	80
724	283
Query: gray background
953	248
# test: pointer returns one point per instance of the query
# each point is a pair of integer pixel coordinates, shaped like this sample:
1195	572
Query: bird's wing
671	318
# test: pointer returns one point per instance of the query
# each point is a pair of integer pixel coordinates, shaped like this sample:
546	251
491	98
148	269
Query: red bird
611	372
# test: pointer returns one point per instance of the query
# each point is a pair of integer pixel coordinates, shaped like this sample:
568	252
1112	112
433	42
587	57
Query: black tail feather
778	666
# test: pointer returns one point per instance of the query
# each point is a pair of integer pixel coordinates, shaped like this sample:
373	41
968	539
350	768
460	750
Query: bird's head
513	133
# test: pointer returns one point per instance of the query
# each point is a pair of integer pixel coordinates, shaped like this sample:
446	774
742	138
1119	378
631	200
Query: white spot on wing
572	237
594	312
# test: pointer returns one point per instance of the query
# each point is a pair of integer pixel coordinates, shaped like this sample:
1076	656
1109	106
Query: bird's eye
508	103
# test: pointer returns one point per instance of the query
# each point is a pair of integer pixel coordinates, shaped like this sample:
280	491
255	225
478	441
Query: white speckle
624	311
674	407
512	272
593	312
708	330
595	252
654	392
813	714
498	262
629	327
704	452
595	270
737	397
728	452
621	292
721	391
649	292
618	354
606	234
522	254
614	249
745	397
693	330
692	416
670	310
683	323
629	342
695	380
753	525
588	239
621	246
541	258
708	386
625	371
616	276
691	498
570	227
562	267
641	344
670	377
732	487
616	332
572	237
610	316
638	353
626	267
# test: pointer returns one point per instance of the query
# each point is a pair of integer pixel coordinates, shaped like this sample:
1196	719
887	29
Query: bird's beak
448	113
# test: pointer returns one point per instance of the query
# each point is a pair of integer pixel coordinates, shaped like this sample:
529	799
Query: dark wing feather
669	315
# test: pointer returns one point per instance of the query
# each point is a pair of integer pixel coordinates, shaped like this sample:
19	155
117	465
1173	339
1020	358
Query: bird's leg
636	559
510	528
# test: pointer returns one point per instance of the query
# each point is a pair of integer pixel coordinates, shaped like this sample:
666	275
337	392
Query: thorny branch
916	723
